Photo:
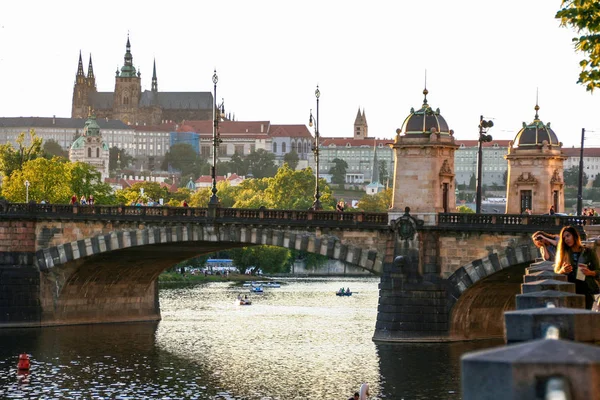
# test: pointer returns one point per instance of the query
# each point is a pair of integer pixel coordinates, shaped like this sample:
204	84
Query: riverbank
174	277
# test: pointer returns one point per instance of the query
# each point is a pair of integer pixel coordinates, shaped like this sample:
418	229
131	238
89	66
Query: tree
238	164
51	149
262	163
383	172
379	202
46	182
294	190
152	190
472	182
184	158
115	154
571	177
225	192
311	260
270	259
465	210
87	180
12	159
292	159
338	171
584	17
596	182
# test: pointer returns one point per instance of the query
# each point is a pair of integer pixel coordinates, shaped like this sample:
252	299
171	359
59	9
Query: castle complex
132	106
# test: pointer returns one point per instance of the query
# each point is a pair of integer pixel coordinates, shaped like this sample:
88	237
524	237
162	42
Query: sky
482	57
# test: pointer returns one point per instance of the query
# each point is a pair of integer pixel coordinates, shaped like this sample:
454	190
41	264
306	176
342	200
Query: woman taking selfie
580	264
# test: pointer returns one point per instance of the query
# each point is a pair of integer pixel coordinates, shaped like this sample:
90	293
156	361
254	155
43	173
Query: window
283	147
223	149
525	200
275	147
239	148
97	152
89	152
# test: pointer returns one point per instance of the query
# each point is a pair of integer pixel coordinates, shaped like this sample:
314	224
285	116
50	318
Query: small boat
272	285
256	289
244	302
338	293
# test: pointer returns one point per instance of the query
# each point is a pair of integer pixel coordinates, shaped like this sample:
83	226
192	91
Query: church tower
90	148
91	79
128	88
80	93
361	129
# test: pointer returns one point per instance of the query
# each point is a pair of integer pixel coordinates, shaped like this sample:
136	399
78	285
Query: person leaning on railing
579	263
547	243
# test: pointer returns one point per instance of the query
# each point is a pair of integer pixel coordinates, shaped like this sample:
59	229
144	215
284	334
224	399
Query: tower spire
425	91
154	79
537	107
80	66
90	68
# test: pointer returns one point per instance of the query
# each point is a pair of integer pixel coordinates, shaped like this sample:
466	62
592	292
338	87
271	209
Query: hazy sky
482	57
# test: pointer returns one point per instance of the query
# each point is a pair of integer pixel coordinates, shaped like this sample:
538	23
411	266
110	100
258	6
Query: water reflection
296	342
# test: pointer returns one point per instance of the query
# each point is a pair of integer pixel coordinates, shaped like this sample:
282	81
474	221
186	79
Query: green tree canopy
46	182
379	202
383	172
12	159
584	17
571	177
262	163
115	155
225	192
294	190
472	182
51	148
269	259
338	171
152	190
184	158
87	180
291	159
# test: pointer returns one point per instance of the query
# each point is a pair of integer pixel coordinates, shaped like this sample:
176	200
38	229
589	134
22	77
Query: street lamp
316	204
218	112
26	191
483	128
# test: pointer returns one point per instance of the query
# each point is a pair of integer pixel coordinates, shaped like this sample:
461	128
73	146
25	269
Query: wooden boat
245	302
338	293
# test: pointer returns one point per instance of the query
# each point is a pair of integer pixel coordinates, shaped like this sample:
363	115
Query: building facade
130	104
90	148
535	170
494	164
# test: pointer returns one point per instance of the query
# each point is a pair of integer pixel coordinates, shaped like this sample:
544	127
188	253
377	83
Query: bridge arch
482	290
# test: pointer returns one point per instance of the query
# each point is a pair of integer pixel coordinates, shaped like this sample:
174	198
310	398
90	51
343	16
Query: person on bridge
74	199
547	243
579	263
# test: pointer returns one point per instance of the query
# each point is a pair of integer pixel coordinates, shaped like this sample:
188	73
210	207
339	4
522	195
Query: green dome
91	127
79	143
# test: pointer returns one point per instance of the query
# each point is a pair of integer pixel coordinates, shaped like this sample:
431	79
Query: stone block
548	284
555	297
572	323
542	275
540	266
522	371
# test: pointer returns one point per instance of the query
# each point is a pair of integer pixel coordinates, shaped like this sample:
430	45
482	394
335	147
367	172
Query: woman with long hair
579	263
547	243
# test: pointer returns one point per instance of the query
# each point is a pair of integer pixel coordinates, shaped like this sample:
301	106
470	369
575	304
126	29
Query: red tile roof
576	151
297	131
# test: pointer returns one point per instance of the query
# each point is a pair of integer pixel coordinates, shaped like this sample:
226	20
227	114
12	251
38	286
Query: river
299	341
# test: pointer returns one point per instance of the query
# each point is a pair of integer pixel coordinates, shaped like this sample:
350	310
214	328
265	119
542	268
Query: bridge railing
298	217
539	221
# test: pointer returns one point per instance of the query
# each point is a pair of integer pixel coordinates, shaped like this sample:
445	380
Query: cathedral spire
90	68
154	80
80	66
128	70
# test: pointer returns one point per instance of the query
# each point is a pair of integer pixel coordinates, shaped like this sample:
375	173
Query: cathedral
132	106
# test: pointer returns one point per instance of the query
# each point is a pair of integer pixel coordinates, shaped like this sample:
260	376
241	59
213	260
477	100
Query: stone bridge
450	280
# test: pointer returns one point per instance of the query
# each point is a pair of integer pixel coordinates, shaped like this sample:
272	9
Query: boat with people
343	292
256	289
243	301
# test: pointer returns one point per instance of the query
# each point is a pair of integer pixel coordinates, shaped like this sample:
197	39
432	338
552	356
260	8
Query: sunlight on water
295	342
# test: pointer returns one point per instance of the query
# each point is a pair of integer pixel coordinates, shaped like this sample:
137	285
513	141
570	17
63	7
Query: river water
299	341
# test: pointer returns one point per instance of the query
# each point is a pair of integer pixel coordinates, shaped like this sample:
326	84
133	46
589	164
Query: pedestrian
83	200
91	200
74	199
552	212
340	206
184	204
547	243
579	263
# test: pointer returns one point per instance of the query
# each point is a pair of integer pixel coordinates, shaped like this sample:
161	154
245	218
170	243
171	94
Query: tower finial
425	91
537	107
154	79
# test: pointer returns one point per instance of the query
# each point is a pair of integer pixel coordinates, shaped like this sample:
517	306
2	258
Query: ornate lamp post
27	191
316	204
483	128
218	112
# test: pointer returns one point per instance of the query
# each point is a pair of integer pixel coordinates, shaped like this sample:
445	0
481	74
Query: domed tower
424	163
90	148
535	170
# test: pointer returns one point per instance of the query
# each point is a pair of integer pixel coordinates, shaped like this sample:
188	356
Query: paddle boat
244	302
343	293
256	289
272	285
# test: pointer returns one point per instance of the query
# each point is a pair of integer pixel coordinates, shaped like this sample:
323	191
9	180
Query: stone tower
424	164
128	89
91	149
361	129
535	170
84	87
